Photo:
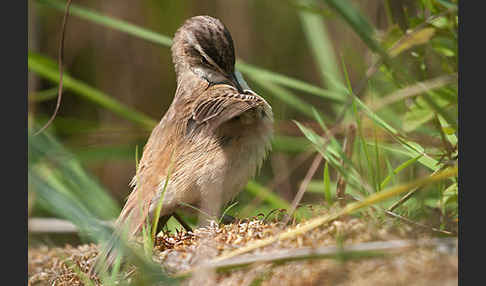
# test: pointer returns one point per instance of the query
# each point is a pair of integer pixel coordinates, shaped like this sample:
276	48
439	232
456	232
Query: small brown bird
213	137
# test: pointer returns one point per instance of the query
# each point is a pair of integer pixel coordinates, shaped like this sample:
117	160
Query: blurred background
304	57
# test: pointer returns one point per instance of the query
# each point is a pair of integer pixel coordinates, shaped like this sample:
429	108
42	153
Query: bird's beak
240	81
236	82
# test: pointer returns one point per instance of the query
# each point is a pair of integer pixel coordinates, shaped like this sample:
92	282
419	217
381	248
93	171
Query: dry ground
417	265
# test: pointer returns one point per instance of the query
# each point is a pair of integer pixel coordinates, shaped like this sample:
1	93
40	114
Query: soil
180	251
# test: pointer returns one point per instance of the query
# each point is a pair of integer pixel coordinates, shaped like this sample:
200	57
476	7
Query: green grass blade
166	41
72	210
47	68
333	141
327	184
448	4
358	23
161	200
448	131
109	22
389	167
424	160
313	223
377	161
284	80
414	148
440	110
335	157
321	47
290	144
397	170
334	149
286	96
267	195
363	145
43	95
226	210
346	76
60	169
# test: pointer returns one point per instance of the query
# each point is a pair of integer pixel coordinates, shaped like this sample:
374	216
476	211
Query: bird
210	142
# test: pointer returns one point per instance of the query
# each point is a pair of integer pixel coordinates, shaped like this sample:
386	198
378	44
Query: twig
402	200
60	63
313	168
303	186
405	197
394	215
298	161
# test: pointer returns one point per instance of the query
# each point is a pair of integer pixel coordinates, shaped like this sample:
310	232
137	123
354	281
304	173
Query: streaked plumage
214	135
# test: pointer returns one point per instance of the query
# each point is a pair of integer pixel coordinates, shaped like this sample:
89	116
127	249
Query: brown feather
213	136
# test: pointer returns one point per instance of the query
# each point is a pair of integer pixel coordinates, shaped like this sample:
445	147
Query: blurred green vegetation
387	67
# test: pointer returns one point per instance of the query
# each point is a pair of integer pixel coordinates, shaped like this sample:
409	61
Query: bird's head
204	46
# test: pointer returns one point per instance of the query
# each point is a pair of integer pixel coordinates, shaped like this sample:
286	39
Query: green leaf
450	195
394	33
327	185
450	132
418	38
321	47
423	110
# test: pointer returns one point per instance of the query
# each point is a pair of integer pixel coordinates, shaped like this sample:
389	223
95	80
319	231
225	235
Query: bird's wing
222	103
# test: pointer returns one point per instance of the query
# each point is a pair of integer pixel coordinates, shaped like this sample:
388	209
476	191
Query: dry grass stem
414	90
313	223
303	186
60	63
288	255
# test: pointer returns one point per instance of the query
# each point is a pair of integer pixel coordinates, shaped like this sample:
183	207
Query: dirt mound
308	259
